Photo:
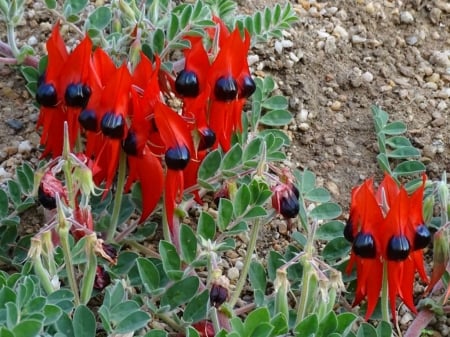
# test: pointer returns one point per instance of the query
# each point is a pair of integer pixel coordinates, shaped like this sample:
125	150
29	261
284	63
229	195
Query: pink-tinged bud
102	279
204	328
285	200
48	188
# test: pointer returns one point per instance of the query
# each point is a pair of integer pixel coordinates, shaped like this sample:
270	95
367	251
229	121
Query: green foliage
394	147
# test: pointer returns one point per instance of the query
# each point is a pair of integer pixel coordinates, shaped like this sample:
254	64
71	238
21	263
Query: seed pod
364	245
226	89
398	248
186	84
77	95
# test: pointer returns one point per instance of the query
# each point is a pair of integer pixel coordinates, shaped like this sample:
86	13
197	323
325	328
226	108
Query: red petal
57	55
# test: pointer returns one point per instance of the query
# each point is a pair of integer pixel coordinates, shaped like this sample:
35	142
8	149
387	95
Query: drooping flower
386	227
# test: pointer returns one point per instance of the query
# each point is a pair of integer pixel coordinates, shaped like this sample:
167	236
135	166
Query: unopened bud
219	291
127	10
281	285
428	208
441	257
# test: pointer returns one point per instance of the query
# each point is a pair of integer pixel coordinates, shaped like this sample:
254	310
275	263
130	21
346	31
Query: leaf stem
118	197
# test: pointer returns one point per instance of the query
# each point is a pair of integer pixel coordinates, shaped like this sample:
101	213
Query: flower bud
441	257
281	285
219	288
127	11
102	279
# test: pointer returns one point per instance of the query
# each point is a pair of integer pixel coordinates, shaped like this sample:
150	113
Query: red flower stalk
386	226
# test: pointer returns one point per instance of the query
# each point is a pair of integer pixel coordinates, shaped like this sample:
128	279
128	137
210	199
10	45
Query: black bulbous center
129	144
177	158
248	87
88	119
398	248
207	139
186	84
45	199
348	231
422	237
46	95
289	206
364	245
77	95
113	125
226	89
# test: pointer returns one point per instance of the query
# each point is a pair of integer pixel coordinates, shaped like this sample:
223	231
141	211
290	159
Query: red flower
386	226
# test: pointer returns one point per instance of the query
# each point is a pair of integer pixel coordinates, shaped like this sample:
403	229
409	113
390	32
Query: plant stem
118	197
248	258
308	287
64	239
385	295
215	319
12	40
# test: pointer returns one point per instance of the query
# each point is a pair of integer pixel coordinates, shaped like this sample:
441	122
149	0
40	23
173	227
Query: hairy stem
385	295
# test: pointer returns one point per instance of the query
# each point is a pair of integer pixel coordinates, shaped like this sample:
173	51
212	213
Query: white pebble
239	264
340	32
278	47
303	115
4	174
358	39
252	59
367	77
407	317
32	41
442	106
430	85
406	17
24	147
233	273
303	126
444	93
294	57
330	45
287	43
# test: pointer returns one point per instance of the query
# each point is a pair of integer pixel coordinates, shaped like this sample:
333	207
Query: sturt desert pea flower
386	227
285	197
49	186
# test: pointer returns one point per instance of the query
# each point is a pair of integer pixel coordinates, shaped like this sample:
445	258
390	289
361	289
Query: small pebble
406	17
367	77
233	273
336	106
24	147
14	124
411	40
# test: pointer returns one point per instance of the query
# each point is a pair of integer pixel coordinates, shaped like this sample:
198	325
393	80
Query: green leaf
398	141
170	259
225	213
180	292
366	330
280	325
275	261
257	276
186	15
188	242
210	165
238	228
158	41
156	333
330	230
253	149
51	313
14	192
3	204
134	321
172	30
12	314
336	249
31	74
84	322
149	274
383	162
404	152
318	194
345	322
51	4
191	332
28	328
255	212
275	103
307	327
197	308
306	180
384	329
254	319
206	226
100	17
394	128
327	325
328	210
76	6
276	118
409	168
232	158
242	200
6	333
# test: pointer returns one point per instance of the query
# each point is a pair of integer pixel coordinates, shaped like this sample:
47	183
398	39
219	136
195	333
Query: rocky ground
342	57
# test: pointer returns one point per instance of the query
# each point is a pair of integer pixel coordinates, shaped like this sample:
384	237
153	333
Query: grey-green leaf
100	17
276	118
84	322
328	210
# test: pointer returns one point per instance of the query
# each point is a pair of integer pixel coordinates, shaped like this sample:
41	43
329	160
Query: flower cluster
388	233
122	112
